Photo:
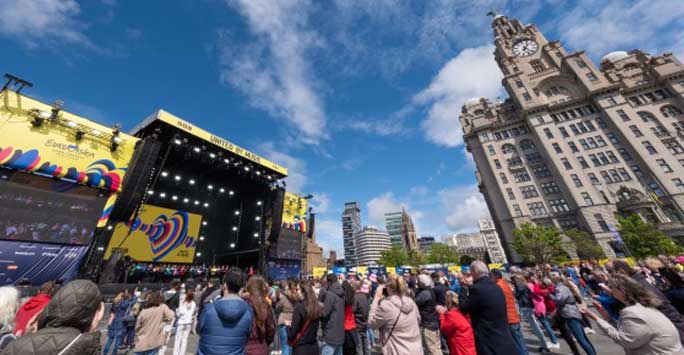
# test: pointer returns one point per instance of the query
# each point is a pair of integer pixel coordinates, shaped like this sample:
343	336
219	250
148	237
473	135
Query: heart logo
165	233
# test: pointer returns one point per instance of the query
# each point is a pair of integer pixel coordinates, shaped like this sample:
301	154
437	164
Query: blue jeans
148	352
516	331
547	326
117	343
528	316
577	331
329	349
282	333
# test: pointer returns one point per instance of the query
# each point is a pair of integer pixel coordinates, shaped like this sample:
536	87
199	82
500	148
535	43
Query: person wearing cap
361	308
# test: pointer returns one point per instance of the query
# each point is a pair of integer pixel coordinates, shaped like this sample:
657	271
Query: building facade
576	144
370	243
351	225
425	244
492	242
409	237
470	244
393	227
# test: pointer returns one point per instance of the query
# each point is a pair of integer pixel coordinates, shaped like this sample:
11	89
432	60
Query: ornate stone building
575	144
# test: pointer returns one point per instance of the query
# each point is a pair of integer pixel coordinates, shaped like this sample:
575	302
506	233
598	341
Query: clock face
525	47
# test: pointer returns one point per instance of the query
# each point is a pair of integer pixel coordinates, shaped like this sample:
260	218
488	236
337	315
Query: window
660	131
623	115
587	199
564	132
615	175
674	147
624	174
612	138
517	210
491	150
537	209
605	197
573	147
649	147
548	133
557	148
594	160
678	184
550	188
636	131
519	83
656	189
582	127
566	163
508	148
592	142
634	101
611	101
591	77
645	116
600	142
606	177
540	119
601	122
527	144
526	96
542	171
574	129
521	175
594	179
603	158
511	195
503	177
679	127
567	224
576	180
624	154
528	191
584	144
583	162
513	162
590	125
537	66
497	163
484	137
611	156
559	206
602	223
580	63
637	171
663	165
670	111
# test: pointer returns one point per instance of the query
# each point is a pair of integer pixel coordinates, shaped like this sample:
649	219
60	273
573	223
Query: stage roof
189	128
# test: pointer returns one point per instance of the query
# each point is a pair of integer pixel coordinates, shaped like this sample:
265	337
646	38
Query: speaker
277	216
140	171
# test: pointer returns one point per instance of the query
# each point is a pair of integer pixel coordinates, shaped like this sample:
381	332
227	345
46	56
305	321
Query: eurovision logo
165	233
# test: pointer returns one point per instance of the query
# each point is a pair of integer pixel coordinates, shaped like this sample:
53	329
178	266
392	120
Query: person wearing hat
360	308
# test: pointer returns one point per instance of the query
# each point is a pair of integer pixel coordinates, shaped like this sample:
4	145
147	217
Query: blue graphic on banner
337	270
377	270
436	269
38	263
284	271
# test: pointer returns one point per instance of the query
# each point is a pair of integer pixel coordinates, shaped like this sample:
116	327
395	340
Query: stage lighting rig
38	117
79	135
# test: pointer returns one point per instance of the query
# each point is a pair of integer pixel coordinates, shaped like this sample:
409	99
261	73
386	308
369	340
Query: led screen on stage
40	209
288	245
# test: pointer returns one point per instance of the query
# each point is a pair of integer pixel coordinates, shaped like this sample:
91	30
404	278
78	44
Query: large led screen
40	209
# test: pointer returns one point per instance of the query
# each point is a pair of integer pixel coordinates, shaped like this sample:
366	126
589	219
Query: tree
466	259
644	239
587	247
538	244
442	254
416	258
395	256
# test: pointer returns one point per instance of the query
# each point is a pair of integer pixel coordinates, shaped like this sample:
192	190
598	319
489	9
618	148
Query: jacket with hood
426	302
69	313
225	326
28	310
361	311
402	338
332	316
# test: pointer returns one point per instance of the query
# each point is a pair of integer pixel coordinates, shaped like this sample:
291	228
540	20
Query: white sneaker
553	345
589	331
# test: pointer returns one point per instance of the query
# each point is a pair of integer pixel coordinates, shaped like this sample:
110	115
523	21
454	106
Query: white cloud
33	22
472	73
464	206
274	71
329	235
320	203
378	206
296	178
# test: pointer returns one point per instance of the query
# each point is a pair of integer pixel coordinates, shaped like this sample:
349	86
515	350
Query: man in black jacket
429	319
332	317
485	303
361	310
439	288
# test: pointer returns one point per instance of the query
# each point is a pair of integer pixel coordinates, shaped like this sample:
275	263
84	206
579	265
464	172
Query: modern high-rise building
351	225
470	244
370	243
575	144
425	244
491	239
393	226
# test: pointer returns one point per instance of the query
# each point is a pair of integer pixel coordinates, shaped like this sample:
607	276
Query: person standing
440	288
9	303
263	321
523	295
429	319
225	323
456	327
149	328
332	317
116	328
351	335
568	313
284	309
511	311
485	302
301	335
361	310
397	318
33	306
185	314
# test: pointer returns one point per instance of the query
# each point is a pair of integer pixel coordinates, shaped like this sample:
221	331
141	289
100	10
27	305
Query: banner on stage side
319	272
63	145
158	235
294	212
38	262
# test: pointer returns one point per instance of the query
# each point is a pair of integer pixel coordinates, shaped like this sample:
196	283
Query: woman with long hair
301	335
185	314
9	304
284	309
540	298
117	328
456	327
149	328
642	329
397	318
351	336
263	326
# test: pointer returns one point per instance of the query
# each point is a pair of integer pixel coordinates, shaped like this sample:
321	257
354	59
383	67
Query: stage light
162	195
79	135
38	117
174	197
246	168
109	227
237	213
222	190
234	229
177	141
256	235
206	204
177	178
202	238
258	173
95	132
72	124
186	200
114	143
259	203
197	202
199	253
210	187
151	192
212	155
226	161
204	223
196	149
165	173
258	218
269	177
232	245
192	181
100	248
231	192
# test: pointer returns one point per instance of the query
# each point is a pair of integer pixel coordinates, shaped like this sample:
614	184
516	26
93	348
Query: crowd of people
478	311
131	272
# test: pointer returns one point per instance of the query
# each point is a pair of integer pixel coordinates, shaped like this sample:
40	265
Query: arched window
646	116
508	149
670	111
527	144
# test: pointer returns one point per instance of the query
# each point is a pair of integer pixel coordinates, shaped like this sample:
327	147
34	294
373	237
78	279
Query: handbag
292	343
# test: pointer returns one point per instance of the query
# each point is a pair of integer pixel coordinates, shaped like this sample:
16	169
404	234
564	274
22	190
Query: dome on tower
615	56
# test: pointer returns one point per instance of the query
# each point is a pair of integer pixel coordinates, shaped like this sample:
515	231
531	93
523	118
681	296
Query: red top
349	321
458	332
29	309
511	309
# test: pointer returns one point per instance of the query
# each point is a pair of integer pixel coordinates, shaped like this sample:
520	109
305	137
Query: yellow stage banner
36	138
294	212
496	266
158	235
216	140
319	272
361	270
454	268
391	270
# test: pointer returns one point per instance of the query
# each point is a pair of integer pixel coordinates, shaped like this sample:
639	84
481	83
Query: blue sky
359	99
